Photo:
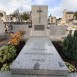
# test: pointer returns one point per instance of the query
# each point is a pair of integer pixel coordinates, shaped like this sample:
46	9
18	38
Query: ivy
7	53
71	67
6	67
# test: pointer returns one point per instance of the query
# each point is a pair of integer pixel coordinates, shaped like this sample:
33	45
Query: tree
59	19
25	16
75	15
74	46
67	45
75	34
70	46
17	14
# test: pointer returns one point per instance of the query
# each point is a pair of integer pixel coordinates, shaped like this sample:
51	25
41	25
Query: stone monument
2	32
39	20
1	28
3	16
39	58
58	30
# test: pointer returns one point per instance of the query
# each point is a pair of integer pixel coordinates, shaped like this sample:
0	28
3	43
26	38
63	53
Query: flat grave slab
39	57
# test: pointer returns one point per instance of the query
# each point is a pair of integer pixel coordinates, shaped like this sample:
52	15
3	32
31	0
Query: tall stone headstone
39	20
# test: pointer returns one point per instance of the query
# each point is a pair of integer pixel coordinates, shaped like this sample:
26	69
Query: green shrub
7	53
70	46
71	67
6	67
26	40
52	40
61	40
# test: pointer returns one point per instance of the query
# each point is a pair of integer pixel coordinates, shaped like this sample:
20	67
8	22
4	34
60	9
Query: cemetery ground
58	46
5	65
10	48
18	49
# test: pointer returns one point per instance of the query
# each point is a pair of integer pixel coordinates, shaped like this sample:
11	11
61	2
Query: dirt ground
58	46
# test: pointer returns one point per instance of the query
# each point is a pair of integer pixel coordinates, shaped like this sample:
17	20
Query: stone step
39	57
8	74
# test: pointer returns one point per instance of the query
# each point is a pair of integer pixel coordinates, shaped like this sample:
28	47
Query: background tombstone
2	31
58	30
39	20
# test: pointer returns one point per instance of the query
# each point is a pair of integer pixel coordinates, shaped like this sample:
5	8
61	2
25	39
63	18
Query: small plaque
38	27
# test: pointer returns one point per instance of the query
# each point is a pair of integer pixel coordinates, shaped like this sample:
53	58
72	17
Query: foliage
6	67
75	15
25	16
26	40
52	40
71	67
21	16
21	32
67	45
70	46
75	34
59	19
16	14
3	43
7	53
61	40
16	38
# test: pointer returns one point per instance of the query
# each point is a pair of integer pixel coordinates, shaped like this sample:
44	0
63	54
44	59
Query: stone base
8	74
40	72
14	75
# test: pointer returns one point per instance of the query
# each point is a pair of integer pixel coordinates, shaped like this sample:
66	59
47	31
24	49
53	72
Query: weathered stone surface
39	17
39	27
8	74
39	56
1	28
58	30
2	31
22	27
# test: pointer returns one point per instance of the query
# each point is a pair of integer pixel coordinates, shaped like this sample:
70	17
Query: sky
55	7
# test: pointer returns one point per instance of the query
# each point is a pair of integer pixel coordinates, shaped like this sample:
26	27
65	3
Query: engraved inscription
39	53
39	49
39	60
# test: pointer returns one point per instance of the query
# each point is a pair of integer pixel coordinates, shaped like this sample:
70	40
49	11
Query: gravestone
58	30
22	27
39	57
39	20
1	28
2	32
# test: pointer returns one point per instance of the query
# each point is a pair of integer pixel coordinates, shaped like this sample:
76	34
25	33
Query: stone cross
39	14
